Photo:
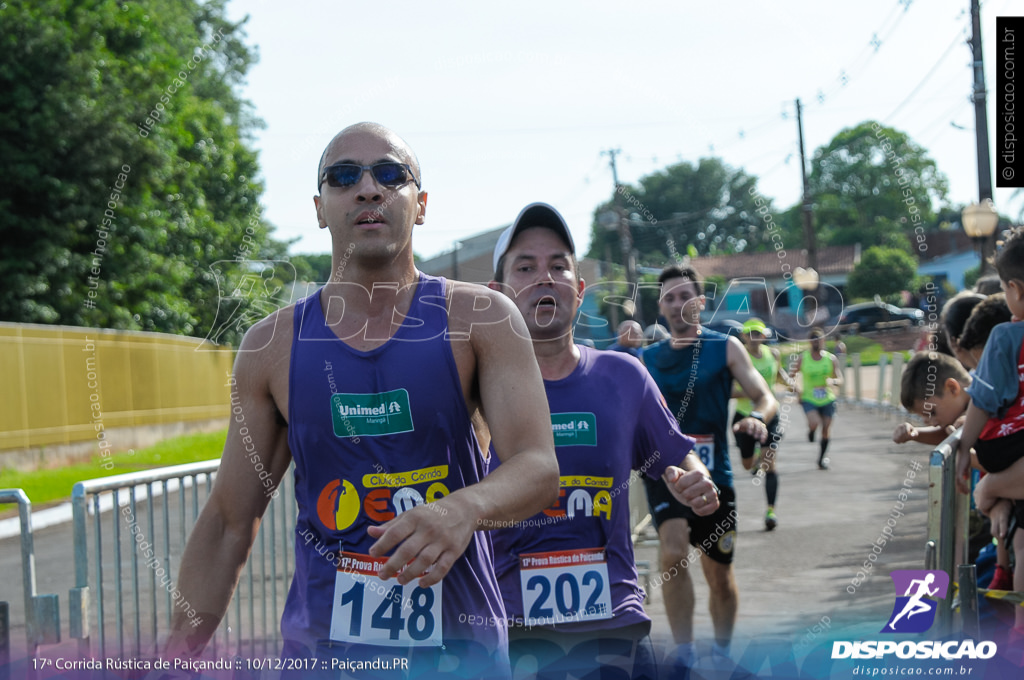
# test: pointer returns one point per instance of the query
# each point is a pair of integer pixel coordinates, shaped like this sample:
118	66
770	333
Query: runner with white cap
567	575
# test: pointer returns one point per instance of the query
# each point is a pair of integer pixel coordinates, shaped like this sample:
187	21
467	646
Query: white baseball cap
533	215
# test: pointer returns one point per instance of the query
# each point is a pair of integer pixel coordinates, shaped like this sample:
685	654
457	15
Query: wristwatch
756	415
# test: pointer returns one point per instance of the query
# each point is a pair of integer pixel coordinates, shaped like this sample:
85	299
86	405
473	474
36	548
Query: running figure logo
912	613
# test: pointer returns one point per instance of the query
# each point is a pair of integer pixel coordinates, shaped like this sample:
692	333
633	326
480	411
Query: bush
882	271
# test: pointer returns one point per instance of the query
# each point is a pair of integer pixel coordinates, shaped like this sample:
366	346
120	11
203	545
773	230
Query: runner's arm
837	376
219	543
781	375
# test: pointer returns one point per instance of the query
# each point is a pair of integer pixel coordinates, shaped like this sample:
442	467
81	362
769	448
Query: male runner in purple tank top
568	574
388	470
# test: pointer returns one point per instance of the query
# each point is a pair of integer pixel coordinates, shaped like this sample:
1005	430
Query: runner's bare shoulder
476	309
265	353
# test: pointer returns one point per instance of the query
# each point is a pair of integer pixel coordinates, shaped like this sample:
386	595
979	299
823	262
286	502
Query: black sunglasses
388	173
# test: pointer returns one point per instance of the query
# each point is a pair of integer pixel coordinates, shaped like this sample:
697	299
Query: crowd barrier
42	612
946	547
136	551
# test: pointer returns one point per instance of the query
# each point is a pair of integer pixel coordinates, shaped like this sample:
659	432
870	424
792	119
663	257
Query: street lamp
805	279
980	221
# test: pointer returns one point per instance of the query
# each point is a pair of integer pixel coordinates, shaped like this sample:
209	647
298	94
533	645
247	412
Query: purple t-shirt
571	567
374	434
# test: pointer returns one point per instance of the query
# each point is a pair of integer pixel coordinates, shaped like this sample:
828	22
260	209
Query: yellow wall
52	375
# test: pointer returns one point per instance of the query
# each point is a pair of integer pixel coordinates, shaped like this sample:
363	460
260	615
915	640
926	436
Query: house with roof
761	285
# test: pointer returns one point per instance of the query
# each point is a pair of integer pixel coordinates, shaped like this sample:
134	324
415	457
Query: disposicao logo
912	613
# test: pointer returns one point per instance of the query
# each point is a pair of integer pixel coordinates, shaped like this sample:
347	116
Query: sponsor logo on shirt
385	496
574	429
371	415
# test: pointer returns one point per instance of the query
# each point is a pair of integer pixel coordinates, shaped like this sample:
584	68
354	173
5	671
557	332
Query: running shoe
823	463
770	521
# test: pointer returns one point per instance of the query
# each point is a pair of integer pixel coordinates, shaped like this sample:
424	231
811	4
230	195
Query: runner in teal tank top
767	362
820	372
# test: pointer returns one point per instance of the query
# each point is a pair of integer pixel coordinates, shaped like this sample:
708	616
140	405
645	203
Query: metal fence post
858	393
883	360
42	622
969	600
5	641
897	376
947	524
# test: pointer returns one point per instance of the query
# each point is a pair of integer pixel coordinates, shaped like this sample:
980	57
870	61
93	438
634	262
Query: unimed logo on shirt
574	429
371	415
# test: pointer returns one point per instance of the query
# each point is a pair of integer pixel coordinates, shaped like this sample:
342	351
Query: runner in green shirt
820	372
767	362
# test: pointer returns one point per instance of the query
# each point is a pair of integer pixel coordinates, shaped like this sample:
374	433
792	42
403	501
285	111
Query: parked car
877	316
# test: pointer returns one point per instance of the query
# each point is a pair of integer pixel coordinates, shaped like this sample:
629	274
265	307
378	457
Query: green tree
312	268
709	206
129	195
871	183
882	271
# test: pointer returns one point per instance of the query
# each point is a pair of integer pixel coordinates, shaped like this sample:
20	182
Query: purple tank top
571	567
374	434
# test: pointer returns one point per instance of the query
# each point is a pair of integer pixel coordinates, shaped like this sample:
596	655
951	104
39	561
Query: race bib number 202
565	586
370	611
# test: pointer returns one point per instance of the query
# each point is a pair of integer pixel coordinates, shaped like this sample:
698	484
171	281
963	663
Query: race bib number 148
368	610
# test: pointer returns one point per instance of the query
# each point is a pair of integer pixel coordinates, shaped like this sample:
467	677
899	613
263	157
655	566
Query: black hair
674	271
955	313
985	316
1009	260
925	375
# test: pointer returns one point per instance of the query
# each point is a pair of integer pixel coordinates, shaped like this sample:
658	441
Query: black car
877	316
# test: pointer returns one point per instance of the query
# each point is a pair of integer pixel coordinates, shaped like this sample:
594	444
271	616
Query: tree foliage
709	206
129	171
872	182
882	271
314	268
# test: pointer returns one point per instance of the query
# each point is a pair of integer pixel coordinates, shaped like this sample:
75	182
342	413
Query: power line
927	76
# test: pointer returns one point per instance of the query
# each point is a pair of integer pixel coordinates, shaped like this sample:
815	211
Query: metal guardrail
947	523
143	505
887	390
42	612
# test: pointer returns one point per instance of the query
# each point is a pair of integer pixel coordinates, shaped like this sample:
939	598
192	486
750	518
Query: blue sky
510	103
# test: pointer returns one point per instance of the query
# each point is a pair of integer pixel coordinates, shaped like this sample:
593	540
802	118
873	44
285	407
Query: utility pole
980	106
809	241
981	129
625	236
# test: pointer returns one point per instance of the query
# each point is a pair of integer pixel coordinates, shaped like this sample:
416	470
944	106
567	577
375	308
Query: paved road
790	580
